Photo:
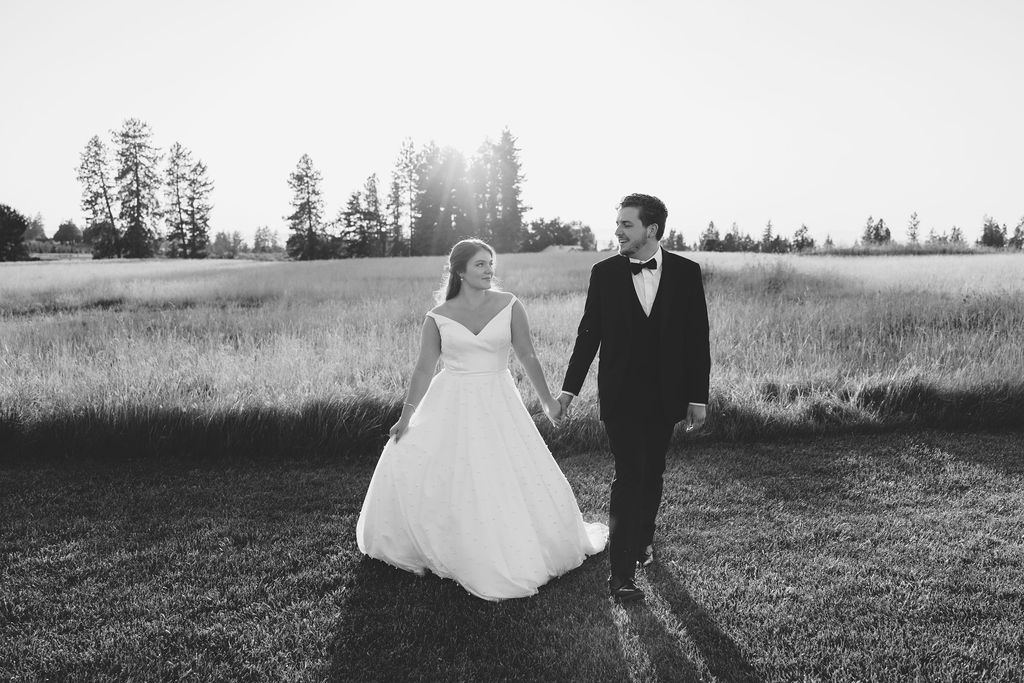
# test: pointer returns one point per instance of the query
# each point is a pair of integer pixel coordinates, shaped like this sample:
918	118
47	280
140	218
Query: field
250	359
184	448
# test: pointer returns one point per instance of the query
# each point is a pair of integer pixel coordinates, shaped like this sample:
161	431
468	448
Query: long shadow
655	652
723	657
395	625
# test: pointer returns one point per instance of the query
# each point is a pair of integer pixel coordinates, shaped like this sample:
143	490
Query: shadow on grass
398	626
315	430
723	658
357	425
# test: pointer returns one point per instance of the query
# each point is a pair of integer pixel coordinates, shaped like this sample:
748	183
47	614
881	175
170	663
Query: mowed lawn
860	557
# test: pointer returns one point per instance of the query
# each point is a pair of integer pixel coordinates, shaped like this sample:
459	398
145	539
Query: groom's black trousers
639	446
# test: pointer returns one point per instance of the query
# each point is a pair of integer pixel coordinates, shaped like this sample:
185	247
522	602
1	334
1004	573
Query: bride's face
479	270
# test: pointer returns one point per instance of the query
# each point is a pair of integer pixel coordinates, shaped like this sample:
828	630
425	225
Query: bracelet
410	405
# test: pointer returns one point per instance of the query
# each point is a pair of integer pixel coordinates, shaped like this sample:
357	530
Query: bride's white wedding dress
470	491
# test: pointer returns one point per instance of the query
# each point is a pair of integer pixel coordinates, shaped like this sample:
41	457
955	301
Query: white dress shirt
646	282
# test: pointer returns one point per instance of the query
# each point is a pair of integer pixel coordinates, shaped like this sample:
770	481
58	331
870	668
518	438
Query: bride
466	486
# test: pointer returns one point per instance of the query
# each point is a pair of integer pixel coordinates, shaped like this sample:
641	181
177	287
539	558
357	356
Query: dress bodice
463	351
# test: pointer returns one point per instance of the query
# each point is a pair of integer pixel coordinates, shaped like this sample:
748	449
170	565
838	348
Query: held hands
695	416
554	410
557	408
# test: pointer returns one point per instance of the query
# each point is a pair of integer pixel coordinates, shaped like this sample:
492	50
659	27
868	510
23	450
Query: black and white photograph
539	341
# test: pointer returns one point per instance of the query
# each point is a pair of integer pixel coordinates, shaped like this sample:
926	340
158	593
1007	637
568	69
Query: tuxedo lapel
667	288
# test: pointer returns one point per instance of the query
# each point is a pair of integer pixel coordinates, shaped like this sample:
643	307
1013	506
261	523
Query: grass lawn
865	557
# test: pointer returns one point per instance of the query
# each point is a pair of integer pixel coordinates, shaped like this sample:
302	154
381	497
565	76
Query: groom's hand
695	416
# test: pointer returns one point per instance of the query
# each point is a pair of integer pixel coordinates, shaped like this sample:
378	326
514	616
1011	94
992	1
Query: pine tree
710	239
97	190
802	241
179	163
307	240
483	181
507	230
137	183
1017	240
913	227
373	216
767	237
198	187
991	234
393	218
426	208
405	176
882	235
357	231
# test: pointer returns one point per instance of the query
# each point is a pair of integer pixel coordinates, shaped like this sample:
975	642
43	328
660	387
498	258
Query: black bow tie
637	267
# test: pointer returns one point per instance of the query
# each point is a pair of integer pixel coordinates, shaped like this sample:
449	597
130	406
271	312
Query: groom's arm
698	352
588	339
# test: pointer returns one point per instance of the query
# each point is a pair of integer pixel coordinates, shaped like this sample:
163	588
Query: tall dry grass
251	358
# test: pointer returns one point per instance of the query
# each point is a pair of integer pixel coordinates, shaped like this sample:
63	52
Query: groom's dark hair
652	210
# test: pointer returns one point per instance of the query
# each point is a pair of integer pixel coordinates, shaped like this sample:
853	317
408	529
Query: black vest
643	390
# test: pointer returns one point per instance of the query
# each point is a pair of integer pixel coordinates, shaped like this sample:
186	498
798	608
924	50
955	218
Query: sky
798	112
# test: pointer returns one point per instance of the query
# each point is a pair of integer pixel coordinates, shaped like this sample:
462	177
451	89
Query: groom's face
630	232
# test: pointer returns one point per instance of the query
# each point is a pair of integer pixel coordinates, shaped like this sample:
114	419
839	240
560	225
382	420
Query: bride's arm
426	364
522	342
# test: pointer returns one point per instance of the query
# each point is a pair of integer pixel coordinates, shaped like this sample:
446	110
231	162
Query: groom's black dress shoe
626	591
646	556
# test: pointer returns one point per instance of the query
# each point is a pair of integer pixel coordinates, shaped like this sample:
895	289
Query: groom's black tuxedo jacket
608	322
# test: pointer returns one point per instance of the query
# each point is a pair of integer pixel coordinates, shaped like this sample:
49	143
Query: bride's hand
399	428
553	410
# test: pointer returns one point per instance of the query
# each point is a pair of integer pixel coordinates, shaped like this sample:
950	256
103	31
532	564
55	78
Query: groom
646	312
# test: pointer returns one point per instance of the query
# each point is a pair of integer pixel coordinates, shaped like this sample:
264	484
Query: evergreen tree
198	187
507	229
483	180
868	237
882	234
104	238
671	241
357	230
1017	241
991	234
137	183
767	237
179	163
397	245
444	201
97	190
956	236
404	182
829	244
802	241
710	239
373	216
36	229
13	226
912	228
308	239
265	241
427	207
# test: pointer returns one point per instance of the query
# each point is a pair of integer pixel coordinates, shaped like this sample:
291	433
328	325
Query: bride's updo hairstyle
458	260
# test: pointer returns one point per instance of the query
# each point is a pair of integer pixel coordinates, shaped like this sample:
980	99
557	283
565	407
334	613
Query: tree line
876	235
435	197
